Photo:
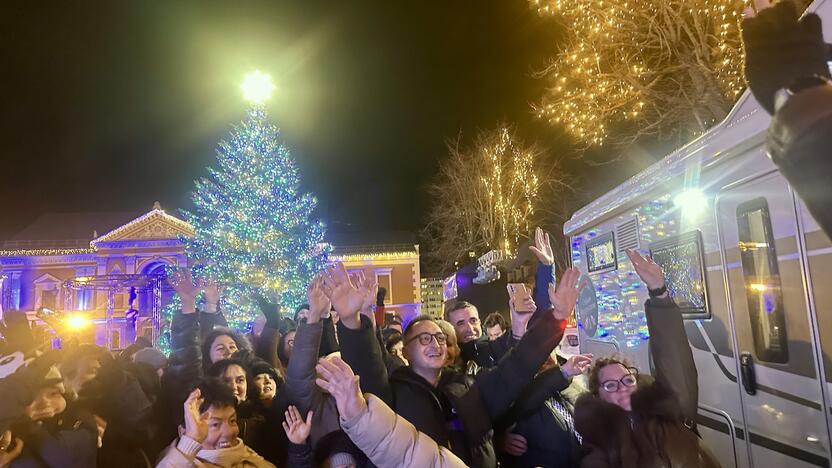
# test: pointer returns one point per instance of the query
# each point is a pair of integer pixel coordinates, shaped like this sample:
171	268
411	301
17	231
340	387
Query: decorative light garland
656	65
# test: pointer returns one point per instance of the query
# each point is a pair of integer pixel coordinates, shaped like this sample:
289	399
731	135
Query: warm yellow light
78	322
759	287
257	87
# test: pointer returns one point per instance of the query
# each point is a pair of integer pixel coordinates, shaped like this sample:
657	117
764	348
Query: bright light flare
692	202
257	87
78	322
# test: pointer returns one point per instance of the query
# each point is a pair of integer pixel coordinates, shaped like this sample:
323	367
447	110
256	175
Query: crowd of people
331	386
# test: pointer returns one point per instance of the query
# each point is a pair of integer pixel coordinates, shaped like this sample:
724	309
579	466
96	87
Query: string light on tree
661	68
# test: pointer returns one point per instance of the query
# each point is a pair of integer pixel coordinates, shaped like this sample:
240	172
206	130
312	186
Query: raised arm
669	348
359	347
300	387
545	273
265	346
498	388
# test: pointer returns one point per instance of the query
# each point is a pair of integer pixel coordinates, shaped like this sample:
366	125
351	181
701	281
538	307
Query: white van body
751	267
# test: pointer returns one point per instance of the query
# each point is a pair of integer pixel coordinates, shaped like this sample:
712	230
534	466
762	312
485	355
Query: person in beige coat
389	440
210	437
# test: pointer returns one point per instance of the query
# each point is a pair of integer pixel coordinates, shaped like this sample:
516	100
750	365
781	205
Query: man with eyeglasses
632	420
454	409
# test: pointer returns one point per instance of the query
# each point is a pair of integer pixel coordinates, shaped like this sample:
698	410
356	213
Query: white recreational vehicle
749	267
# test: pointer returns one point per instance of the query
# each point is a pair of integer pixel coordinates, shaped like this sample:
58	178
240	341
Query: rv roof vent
627	236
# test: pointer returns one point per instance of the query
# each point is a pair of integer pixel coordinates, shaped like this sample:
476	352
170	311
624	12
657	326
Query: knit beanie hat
152	357
339	459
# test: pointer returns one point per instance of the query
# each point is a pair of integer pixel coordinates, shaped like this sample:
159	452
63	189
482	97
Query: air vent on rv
626	236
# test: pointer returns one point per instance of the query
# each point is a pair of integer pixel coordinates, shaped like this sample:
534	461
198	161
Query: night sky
110	106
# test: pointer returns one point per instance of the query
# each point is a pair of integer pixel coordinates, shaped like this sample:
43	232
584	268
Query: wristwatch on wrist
658	291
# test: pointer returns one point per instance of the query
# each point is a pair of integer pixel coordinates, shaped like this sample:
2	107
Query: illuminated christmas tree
255	227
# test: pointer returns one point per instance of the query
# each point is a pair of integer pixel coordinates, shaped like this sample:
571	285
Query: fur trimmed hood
653	434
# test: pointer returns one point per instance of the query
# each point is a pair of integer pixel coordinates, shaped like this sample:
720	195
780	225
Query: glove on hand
780	48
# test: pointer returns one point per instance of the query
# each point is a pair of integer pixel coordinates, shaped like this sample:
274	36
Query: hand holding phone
520	297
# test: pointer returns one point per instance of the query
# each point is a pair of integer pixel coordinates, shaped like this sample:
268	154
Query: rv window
600	254
762	281
682	262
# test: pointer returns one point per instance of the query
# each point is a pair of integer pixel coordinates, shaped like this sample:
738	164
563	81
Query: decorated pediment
154	225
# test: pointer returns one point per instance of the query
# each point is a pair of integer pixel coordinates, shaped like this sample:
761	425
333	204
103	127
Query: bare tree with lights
630	69
490	196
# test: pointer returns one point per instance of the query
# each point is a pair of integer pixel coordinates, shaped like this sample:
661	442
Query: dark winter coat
301	391
798	141
183	375
459	413
660	429
69	440
549	442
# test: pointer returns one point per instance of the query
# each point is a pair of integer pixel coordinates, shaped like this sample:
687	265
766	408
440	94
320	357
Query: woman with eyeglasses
630	420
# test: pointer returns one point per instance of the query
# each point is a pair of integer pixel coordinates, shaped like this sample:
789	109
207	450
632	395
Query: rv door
784	420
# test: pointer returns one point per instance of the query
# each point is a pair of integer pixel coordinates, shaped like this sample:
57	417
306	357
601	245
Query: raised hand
577	364
345	297
319	303
213	292
370	291
269	309
649	272
9	449
337	378
196	426
542	248
565	295
183	283
297	430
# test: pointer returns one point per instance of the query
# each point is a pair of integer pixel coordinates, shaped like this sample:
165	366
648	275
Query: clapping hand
577	364
542	248
649	272
196	425
565	295
337	378
345	297
319	303
297	430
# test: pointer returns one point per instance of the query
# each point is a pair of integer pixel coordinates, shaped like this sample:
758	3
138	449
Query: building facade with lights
116	282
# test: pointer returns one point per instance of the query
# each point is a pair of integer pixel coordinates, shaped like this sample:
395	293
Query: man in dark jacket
477	351
454	409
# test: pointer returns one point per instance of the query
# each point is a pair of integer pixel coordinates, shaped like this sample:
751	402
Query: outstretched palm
345	297
318	301
542	248
649	272
565	295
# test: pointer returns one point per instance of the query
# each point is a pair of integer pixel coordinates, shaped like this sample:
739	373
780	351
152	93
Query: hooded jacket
660	430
